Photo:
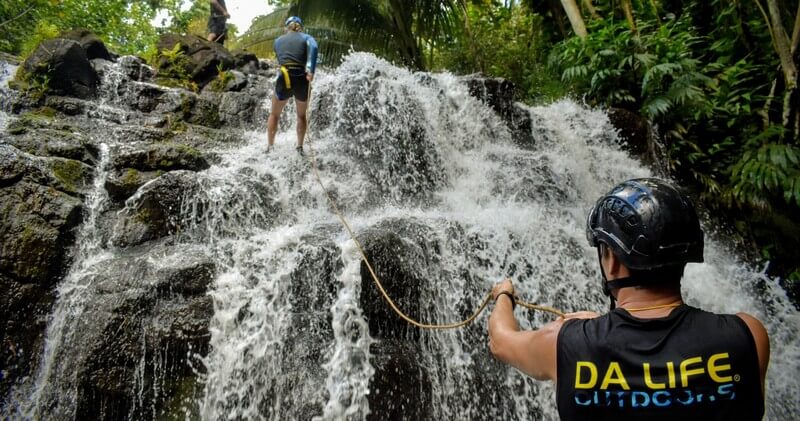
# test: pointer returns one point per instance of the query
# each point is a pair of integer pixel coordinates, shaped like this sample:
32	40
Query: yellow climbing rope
470	319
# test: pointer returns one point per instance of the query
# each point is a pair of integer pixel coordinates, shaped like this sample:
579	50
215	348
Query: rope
313	160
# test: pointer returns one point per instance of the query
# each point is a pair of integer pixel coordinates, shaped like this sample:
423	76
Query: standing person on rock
216	22
653	357
297	58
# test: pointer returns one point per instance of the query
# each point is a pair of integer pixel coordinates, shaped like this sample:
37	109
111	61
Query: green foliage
222	79
766	170
35	86
394	29
704	79
654	70
502	42
123	24
44	30
172	68
17	17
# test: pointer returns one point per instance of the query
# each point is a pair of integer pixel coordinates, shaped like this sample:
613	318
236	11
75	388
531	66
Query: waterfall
53	392
399	146
7	71
431	176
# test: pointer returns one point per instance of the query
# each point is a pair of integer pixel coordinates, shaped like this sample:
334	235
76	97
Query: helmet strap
610	286
606	289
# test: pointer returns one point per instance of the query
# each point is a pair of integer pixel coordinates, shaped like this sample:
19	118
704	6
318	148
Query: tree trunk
796	31
476	56
782	45
592	11
558	16
575	18
409	49
628	9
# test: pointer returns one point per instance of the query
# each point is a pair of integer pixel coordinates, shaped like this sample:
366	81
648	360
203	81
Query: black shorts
298	82
216	25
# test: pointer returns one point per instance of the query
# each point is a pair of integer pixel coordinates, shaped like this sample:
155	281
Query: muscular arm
762	345
532	352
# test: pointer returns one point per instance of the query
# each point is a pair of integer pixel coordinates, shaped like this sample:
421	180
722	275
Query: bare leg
274	117
302	106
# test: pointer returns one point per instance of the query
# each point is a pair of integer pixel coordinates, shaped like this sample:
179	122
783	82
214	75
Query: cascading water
7	71
398	146
414	162
53	392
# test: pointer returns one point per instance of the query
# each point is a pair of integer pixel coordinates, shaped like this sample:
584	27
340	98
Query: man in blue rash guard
297	57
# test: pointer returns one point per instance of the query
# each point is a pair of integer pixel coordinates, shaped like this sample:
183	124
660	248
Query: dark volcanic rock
401	386
37	228
62	66
94	47
498	93
155	210
392	145
164	157
400	251
150	324
245	61
205	58
136	69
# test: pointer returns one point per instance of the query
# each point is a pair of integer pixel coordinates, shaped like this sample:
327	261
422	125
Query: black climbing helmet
648	224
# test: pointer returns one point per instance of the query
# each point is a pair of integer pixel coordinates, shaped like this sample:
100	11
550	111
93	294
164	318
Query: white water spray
48	394
393	144
289	336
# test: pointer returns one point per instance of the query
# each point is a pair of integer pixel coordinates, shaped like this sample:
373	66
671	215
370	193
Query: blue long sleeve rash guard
298	48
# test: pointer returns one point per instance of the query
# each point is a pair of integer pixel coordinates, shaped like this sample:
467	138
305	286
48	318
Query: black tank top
690	365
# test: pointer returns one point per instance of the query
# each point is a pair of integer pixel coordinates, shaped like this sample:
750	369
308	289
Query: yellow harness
285	71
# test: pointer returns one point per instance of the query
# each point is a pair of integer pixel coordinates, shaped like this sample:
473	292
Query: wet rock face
39	212
496	92
306	346
156	210
392	146
499	94
63	67
400	251
136	69
149	327
401	385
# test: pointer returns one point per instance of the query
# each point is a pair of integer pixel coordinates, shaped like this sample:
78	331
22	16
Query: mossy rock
205	113
172	82
122	184
38	225
41	118
71	175
164	157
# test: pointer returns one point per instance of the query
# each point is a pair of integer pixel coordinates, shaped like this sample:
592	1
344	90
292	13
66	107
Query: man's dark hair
662	276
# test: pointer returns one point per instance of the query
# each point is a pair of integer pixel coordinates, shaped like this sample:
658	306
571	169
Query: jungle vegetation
718	79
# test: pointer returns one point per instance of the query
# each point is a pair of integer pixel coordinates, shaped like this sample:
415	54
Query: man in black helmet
652	357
